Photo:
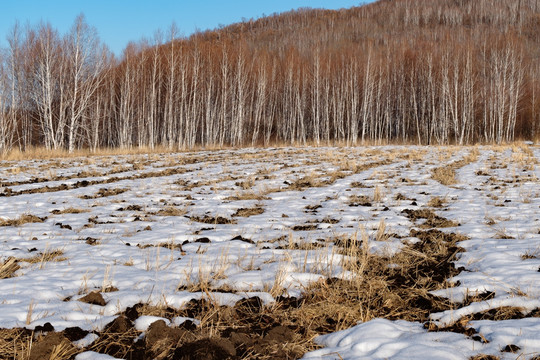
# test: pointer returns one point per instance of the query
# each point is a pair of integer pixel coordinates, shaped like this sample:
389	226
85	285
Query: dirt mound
119	339
51	346
74	333
119	325
206	349
94	298
160	339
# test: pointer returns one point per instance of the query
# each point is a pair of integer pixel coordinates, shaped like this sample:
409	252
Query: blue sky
121	21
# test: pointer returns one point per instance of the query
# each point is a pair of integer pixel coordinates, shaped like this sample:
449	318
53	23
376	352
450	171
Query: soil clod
94	298
206	349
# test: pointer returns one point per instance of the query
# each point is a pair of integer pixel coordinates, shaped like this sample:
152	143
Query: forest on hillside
407	71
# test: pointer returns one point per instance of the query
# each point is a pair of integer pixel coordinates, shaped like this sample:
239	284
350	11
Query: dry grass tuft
359	200
378	194
247	212
382	234
8	268
436	202
500	233
247	183
484	357
214	220
103	192
531	254
308	181
247	195
118	339
69	210
21	220
172	211
45	257
15	344
446	175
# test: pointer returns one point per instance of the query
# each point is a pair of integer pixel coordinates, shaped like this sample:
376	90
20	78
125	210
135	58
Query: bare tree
85	61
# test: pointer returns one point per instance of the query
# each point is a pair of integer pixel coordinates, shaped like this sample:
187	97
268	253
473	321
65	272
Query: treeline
421	71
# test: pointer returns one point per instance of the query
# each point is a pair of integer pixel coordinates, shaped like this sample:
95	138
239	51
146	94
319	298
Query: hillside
408	71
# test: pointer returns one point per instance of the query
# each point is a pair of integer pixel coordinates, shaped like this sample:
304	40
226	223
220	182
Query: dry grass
21	220
359	200
15	344
432	220
309	181
446	175
531	254
247	212
378	194
247	183
392	287
8	268
382	233
389	286
172	211
46	256
248	195
70	210
104	192
436	202
212	220
501	233
43	153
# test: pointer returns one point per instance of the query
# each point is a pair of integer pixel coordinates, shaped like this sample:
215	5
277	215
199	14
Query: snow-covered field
227	225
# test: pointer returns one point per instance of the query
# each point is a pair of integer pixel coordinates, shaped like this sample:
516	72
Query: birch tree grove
413	71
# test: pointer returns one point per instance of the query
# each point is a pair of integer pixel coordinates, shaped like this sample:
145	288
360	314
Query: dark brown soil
312	208
241	238
131	208
359	200
94	298
170	246
400	196
212	220
44	346
306	227
250	330
104	192
74	333
502	313
434	261
329	220
247	212
245	331
206	349
432	220
511	348
91	241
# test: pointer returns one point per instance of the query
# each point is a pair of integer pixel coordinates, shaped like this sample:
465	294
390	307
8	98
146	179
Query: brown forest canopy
422	71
